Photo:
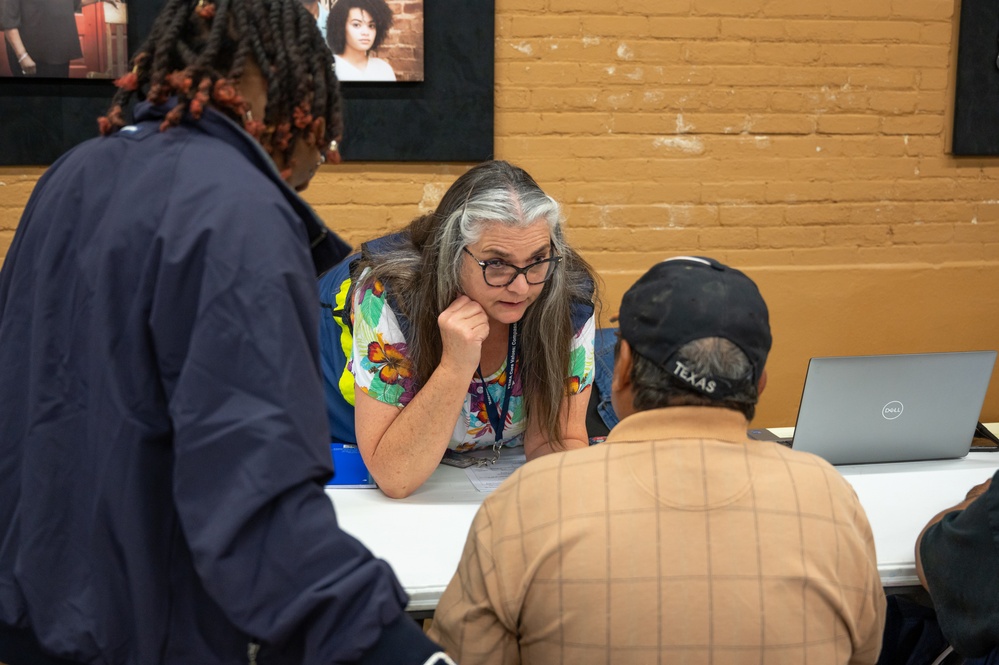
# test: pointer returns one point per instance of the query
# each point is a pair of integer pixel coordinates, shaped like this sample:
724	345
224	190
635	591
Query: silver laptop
897	408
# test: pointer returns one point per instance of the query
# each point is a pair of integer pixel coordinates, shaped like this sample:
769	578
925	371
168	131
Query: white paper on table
487	478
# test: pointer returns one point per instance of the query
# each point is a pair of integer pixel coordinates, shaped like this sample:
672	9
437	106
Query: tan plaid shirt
665	546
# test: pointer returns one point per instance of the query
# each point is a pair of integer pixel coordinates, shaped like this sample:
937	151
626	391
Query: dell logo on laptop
891	410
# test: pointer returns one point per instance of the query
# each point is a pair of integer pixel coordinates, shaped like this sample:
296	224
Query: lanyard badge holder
497	418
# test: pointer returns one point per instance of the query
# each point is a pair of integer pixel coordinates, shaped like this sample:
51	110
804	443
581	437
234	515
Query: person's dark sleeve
235	326
960	557
10	14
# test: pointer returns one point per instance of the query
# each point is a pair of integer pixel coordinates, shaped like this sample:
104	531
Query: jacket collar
682	422
327	248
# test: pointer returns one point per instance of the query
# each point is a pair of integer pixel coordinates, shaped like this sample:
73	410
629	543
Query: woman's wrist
21	57
457	368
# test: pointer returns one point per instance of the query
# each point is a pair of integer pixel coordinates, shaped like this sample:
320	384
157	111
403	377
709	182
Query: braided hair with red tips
198	49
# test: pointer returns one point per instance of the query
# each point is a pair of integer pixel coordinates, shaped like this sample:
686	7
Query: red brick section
403	47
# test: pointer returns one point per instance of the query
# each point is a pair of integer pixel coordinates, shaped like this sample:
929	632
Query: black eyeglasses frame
554	260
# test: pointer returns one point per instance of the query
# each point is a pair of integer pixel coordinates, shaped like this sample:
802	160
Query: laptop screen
892	408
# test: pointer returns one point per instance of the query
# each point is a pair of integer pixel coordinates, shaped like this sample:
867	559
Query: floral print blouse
382	369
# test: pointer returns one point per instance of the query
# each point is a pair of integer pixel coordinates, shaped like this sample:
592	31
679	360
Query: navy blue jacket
163	437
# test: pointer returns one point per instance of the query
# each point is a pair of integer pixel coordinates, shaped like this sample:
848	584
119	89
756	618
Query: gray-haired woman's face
518	246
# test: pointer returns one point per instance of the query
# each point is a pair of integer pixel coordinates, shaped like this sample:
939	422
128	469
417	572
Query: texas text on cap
689	297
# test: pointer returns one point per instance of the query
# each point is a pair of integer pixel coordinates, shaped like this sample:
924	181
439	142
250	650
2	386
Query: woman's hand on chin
464	326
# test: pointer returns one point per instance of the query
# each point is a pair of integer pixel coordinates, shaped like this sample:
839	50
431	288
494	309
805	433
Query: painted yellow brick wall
804	141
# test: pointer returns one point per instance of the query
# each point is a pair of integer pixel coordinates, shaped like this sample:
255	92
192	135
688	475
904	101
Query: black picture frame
976	93
448	117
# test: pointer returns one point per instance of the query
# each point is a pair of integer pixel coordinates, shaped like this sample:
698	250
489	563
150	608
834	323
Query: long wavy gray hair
424	275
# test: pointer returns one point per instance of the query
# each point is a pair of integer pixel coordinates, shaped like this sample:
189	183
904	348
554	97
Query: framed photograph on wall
373	40
63	39
976	94
447	115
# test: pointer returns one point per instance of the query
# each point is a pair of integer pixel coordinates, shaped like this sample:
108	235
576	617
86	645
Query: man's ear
621	379
762	383
622	398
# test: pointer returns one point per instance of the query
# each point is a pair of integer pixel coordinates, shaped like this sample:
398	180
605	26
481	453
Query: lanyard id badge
496	417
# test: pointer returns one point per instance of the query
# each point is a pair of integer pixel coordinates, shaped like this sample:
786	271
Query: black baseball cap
686	298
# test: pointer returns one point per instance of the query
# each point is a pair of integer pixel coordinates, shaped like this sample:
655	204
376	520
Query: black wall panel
446	117
976	103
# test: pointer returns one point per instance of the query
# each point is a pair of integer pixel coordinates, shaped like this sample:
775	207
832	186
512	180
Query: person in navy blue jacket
163	437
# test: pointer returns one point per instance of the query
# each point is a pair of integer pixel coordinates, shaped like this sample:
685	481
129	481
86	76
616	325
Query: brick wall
403	47
804	141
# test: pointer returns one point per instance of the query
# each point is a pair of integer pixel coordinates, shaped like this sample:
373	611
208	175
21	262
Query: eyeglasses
501	273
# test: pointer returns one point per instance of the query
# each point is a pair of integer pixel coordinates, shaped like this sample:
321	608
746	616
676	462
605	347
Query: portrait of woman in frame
373	40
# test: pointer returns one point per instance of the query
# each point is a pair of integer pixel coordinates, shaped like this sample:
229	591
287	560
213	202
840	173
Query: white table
900	499
422	536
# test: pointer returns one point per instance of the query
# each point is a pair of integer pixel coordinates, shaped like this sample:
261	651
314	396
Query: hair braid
277	87
217	30
198	49
168	32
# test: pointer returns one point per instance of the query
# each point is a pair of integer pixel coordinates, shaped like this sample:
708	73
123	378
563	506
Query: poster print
59	39
372	40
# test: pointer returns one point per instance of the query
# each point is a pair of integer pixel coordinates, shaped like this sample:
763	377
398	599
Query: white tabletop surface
900	499
422	536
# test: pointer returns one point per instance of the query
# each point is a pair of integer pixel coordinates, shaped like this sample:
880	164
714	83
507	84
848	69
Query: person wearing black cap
679	539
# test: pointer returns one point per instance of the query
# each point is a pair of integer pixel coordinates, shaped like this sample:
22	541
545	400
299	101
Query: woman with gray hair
472	329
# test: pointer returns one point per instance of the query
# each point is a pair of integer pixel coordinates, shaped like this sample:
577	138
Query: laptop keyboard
767	435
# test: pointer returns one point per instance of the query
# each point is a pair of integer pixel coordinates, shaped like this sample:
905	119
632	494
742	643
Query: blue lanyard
497	419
